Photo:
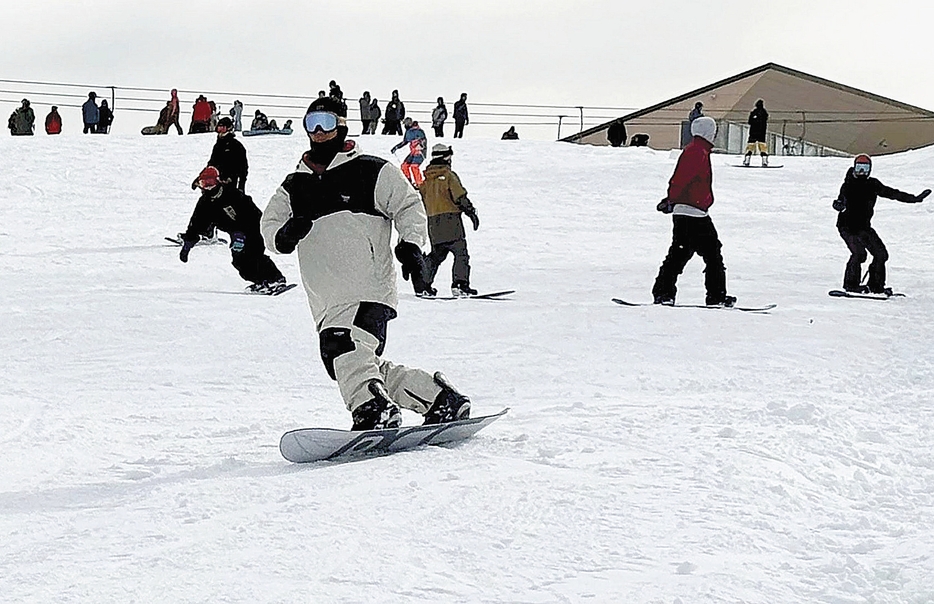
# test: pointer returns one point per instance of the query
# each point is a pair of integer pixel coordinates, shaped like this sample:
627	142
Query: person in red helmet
337	212
856	205
224	206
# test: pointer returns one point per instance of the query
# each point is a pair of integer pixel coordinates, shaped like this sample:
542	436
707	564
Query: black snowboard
839	293
489	296
760	309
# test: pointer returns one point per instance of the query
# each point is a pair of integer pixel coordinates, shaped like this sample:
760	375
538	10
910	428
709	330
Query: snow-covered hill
651	454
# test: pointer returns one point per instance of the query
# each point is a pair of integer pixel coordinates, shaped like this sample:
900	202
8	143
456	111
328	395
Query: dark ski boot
450	405
379	413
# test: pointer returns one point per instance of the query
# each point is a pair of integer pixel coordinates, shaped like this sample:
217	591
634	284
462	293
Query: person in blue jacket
418	143
90	113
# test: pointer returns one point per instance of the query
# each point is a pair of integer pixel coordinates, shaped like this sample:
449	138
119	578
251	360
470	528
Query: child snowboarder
417	141
226	207
855	204
445	200
690	195
337	212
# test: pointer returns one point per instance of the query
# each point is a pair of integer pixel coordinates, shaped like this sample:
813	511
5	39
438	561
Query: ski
319	444
202	241
758	309
839	293
489	296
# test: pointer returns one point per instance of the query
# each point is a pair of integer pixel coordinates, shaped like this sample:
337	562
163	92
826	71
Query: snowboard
839	293
264	132
761	309
760	166
318	444
489	296
276	291
202	241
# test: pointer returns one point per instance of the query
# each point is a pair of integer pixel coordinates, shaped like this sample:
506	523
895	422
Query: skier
616	133
461	118
438	116
22	121
227	208
417	142
758	121
365	118
53	122
91	114
445	199
105	118
855	204
337	211
395	113
229	155
689	197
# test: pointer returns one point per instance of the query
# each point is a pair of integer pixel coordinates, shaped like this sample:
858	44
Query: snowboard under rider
445	199
856	204
227	208
337	211
690	195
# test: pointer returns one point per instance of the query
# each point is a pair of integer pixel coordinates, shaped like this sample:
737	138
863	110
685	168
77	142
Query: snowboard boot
379	413
856	289
725	301
461	289
450	405
765	161
664	300
885	291
747	159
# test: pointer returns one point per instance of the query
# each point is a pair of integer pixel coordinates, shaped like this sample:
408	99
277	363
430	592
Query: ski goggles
325	120
862	169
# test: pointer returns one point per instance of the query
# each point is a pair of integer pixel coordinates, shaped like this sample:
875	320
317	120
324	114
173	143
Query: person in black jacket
106	118
616	133
227	208
855	204
758	122
461	118
394	114
229	156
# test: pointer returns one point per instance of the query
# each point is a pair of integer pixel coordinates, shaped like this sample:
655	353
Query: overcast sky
596	53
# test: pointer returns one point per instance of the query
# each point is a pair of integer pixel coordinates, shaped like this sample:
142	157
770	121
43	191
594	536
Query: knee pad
334	342
372	317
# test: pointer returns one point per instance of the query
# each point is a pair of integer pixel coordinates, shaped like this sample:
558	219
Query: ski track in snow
651	454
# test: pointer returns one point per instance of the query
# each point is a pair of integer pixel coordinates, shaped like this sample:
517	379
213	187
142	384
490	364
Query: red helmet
862	165
209	178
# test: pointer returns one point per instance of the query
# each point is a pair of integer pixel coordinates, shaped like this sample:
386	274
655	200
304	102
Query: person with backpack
690	195
856	204
337	212
53	122
22	121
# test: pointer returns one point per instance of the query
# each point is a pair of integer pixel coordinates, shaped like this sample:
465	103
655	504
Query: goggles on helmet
862	169
325	120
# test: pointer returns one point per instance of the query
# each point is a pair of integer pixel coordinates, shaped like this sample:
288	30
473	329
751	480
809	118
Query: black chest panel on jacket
860	195
349	187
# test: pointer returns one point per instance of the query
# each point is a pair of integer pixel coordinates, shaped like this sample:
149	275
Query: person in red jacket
690	195
200	116
53	122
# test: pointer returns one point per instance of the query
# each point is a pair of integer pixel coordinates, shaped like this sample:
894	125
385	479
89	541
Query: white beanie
704	127
441	150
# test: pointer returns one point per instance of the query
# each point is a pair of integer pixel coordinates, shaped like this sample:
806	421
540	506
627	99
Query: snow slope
651	454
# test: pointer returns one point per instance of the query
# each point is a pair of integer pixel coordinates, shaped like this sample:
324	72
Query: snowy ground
651	454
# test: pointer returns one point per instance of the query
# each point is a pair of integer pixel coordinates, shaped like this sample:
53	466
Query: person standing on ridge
758	122
337	212
856	204
697	112
53	122
417	142
236	115
395	113
461	117
690	195
106	118
438	116
365	118
22	121
175	110
375	114
90	113
616	133
445	199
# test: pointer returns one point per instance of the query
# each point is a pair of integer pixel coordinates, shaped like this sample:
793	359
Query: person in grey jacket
336	211
375	114
90	113
438	116
22	121
365	112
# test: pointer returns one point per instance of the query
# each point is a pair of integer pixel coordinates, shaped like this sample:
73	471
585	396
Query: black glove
664	206
194	184
293	231
186	247
474	219
924	193
839	204
413	265
237	242
242	185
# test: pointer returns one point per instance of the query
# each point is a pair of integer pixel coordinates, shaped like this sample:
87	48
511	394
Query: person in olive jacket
856	205
22	121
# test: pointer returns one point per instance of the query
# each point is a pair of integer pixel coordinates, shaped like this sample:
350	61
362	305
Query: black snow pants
254	265
692	235
859	242
440	251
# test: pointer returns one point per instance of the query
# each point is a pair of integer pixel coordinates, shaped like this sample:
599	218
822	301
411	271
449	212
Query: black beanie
328	104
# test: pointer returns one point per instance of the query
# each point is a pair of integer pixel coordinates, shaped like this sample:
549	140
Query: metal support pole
560	117
582	118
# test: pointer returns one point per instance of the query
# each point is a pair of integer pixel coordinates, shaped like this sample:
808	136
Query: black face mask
323	153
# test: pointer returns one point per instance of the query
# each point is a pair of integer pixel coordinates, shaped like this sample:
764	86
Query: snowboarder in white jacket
336	211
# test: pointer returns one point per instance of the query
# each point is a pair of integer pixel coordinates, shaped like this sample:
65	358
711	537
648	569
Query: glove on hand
924	193
664	206
294	230
474	219
413	265
237	242
839	204
186	247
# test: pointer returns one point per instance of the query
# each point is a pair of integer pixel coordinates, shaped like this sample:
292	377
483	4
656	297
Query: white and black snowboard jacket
347	257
